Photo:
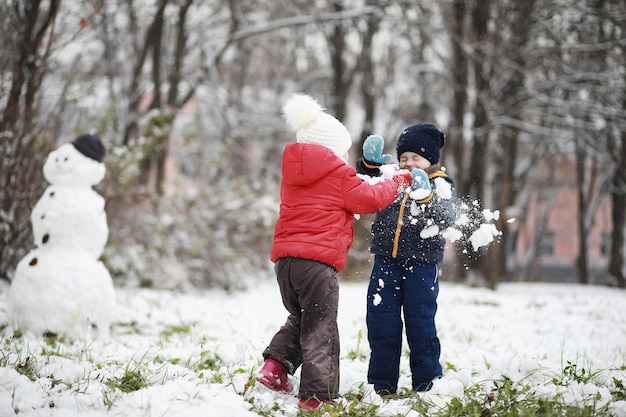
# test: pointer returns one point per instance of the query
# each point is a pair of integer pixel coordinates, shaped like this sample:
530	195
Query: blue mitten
420	180
373	150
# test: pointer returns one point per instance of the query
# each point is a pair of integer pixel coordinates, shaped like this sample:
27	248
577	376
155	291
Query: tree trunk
618	213
359	258
156	159
618	216
473	184
134	93
582	272
506	195
511	96
368	84
459	104
618	199
23	146
340	83
28	70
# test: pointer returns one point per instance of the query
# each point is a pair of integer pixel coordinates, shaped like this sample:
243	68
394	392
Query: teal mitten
420	180
373	150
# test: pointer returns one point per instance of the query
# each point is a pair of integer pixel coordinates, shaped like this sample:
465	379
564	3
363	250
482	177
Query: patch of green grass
503	397
27	367
541	393
573	372
206	361
127	328
485	303
508	398
208	364
619	391
354	408
136	375
131	380
169	331
17	356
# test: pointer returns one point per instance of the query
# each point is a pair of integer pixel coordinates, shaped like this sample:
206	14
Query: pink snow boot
274	376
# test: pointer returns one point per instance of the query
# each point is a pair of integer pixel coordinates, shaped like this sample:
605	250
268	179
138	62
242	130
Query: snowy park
146	164
196	353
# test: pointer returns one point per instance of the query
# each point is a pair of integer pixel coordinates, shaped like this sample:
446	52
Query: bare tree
35	38
460	75
23	143
618	200
359	257
473	180
618	213
618	189
366	67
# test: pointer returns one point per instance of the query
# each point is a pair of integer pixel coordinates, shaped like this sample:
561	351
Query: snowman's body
68	217
61	287
61	292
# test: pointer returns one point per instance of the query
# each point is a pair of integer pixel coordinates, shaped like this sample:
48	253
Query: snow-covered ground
199	351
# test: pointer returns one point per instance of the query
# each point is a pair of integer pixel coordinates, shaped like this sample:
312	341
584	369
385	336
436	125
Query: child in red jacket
320	193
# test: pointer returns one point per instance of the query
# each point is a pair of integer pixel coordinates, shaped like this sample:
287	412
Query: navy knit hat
423	139
91	146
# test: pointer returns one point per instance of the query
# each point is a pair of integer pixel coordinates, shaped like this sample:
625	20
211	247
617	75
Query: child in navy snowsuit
408	247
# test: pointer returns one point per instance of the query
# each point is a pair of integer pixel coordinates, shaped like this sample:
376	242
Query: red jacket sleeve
364	198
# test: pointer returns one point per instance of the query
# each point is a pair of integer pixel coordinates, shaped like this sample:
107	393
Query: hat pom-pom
300	110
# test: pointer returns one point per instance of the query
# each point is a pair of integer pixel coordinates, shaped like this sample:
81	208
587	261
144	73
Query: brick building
546	235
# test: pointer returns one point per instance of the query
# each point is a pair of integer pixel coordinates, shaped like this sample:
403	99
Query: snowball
491	215
377	299
415	209
429	231
443	188
483	235
370	180
451	234
420	194
388	170
462	220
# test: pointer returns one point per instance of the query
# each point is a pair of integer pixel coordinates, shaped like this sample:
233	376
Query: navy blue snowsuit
407	248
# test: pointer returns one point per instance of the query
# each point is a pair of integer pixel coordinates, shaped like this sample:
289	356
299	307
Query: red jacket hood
304	164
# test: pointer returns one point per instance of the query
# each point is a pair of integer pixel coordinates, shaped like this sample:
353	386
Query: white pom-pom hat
312	125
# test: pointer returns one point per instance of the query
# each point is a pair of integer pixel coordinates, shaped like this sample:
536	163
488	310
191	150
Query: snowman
61	288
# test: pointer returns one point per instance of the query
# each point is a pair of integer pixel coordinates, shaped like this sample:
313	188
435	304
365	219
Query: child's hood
304	164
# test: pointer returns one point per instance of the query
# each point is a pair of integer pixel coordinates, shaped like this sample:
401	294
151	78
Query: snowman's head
67	165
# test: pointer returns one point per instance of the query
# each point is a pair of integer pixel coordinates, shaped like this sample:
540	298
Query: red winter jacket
320	193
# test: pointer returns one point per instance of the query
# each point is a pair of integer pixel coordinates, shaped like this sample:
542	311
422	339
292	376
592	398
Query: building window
546	244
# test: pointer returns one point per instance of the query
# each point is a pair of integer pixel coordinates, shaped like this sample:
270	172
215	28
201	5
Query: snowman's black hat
91	146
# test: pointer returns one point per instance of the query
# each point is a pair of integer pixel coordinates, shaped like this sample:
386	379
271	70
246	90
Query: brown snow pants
310	336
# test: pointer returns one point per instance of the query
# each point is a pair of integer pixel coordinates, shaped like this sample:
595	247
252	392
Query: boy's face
411	160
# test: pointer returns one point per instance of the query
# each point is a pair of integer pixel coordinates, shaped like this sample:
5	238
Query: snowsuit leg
384	325
396	286
420	306
310	336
